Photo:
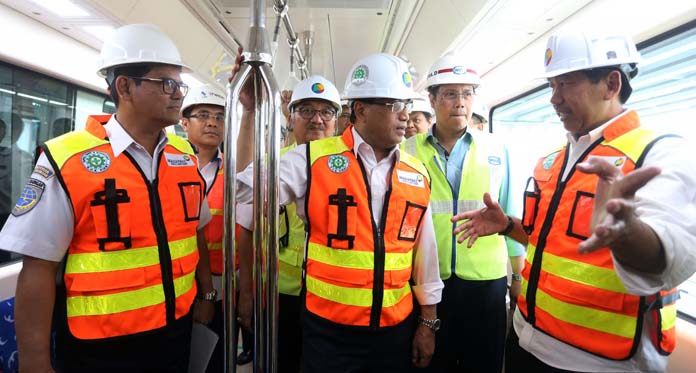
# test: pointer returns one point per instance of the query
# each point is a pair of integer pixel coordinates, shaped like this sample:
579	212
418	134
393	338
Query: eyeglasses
204	115
169	86
396	106
307	113
453	95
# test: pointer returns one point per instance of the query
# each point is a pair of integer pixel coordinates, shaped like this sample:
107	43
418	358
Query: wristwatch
209	296
516	277
434	325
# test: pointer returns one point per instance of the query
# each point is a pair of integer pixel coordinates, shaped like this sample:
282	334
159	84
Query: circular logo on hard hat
96	162
406	77
549	54
459	70
360	74
338	163
318	88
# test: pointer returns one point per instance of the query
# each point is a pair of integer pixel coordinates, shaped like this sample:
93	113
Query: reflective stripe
445	207
214	245
633	143
583	273
353	296
669	316
106	261
125	301
73	143
603	321
331	145
357	259
216	211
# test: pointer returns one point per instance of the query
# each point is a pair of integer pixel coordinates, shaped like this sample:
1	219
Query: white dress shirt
293	183
668	205
45	232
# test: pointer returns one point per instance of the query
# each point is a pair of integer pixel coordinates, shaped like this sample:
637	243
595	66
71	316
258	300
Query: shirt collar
358	141
120	139
466	136
595	134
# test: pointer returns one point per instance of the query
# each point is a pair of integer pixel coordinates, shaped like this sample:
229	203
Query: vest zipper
453	262
165	257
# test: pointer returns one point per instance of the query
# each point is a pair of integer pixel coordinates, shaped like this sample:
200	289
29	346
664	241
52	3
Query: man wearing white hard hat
609	222
116	210
369	232
420	119
464	164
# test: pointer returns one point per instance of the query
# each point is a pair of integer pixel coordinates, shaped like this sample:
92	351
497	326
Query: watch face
436	325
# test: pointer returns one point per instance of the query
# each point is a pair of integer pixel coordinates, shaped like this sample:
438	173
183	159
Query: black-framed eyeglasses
204	115
453	95
396	106
307	113
169	86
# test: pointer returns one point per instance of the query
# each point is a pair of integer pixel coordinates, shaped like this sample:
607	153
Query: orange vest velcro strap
663	318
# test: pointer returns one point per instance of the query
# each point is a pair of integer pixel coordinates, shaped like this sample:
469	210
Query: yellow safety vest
291	248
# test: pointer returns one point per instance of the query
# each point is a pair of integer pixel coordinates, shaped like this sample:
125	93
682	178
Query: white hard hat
379	75
580	51
452	69
136	44
204	95
316	87
422	104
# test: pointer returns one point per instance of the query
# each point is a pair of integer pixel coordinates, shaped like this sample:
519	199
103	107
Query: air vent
304	4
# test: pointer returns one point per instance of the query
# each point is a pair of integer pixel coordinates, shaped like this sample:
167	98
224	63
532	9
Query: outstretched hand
613	215
483	222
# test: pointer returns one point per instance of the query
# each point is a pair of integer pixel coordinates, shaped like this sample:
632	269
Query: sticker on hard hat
406	77
459	70
317	88
549	54
360	74
204	94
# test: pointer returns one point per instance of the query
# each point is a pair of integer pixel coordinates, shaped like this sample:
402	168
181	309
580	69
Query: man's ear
613	82
124	87
185	124
359	111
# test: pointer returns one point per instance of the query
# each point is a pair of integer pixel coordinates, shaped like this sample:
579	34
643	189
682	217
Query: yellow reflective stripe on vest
358	259
587	274
445	207
64	147
607	322
107	261
179	143
415	163
353	296
633	143
329	145
216	211
214	245
125	301
669	316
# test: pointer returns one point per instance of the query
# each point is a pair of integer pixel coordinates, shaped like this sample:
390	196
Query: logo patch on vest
96	162
494	160
44	172
618	162
410	178
338	163
178	160
29	197
548	161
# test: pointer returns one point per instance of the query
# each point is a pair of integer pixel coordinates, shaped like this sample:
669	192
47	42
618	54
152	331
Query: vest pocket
114	280
582	295
581	216
531	205
111	213
411	221
191	197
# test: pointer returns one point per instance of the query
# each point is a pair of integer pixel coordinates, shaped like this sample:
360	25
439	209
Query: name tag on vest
616	161
410	178
178	160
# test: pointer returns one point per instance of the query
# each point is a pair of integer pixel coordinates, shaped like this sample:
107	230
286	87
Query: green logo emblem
548	161
338	163
96	162
360	74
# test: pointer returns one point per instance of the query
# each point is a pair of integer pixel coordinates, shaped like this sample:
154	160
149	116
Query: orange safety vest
131	263
358	274
579	299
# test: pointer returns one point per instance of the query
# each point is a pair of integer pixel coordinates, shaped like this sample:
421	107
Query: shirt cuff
428	294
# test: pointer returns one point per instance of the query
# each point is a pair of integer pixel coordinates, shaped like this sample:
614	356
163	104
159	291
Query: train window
33	109
664	96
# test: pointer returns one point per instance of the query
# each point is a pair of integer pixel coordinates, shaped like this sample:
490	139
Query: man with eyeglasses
344	119
464	164
115	211
369	232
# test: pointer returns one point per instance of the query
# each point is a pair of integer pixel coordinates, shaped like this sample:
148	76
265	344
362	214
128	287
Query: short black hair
135	70
352	112
433	89
597	74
